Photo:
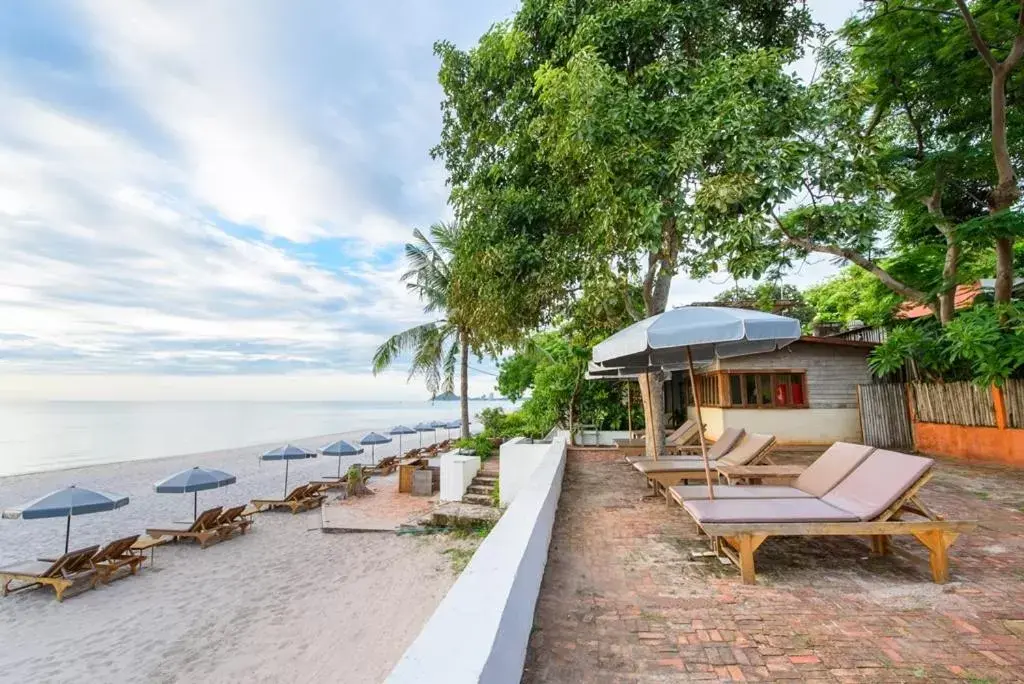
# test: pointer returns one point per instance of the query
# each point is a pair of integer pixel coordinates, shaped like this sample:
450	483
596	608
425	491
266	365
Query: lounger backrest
72	562
725	443
230	514
681	432
876	483
831	468
206	519
748	450
297	493
115	549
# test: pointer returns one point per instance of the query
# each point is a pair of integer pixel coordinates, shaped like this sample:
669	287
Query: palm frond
396	345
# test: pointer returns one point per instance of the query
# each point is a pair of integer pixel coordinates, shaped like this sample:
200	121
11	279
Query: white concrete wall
520	456
457	472
480	631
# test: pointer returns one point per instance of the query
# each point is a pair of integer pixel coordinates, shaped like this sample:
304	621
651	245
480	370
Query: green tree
773	297
609	140
439	345
896	163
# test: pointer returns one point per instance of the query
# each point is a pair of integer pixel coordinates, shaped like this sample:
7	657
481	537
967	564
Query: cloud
208	191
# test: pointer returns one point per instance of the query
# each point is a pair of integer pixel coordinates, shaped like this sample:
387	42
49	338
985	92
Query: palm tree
438	345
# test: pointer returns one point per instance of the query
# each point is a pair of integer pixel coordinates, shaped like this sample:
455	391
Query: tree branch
979	43
900	288
1010	63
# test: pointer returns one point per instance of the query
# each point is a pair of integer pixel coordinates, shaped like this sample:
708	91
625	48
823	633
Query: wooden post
999	404
629	409
700	425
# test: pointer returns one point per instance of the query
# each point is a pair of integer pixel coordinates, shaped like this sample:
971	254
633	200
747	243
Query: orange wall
970	443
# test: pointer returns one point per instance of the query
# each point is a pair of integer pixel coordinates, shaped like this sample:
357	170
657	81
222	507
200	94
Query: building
805	393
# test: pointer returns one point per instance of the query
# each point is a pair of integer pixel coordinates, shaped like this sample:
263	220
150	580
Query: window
753	389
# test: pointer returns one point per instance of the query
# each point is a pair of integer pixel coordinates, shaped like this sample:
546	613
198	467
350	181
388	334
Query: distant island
451	396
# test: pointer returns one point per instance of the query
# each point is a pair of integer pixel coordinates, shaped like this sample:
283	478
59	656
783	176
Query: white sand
284	603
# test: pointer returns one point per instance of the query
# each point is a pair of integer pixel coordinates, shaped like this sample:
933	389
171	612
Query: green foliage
478	444
984	344
772	297
853	295
496	494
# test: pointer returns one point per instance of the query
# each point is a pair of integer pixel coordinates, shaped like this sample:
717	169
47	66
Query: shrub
479	444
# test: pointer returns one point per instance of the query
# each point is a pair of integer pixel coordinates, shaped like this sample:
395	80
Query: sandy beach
284	603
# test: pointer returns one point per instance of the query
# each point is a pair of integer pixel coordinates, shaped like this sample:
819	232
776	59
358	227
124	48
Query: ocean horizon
40	436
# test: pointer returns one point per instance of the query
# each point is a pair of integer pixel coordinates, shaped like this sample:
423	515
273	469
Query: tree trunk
464	381
947	296
656	433
1005	193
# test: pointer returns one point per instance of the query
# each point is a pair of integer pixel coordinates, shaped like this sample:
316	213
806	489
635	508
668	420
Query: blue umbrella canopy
423	427
339	450
287	453
373	439
454	424
438	424
65	503
401	430
194	480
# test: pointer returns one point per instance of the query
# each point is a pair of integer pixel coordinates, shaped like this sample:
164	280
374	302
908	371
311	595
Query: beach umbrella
65	503
401	430
695	334
287	453
438	425
453	425
194	480
421	428
340	449
373	439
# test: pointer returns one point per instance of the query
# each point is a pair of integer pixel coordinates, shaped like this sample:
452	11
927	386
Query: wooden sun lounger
684	435
753	448
385	466
203	530
869	502
114	556
61	574
816	480
303	497
231	520
720	447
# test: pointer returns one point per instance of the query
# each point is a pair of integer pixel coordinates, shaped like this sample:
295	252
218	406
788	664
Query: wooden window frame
724	399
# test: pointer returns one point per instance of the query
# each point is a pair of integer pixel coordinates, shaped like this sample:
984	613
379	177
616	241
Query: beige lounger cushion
688	492
680	435
829	469
766	511
725	442
671	465
753	444
877	483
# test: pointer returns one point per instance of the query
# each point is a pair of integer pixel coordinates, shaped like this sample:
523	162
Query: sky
209	199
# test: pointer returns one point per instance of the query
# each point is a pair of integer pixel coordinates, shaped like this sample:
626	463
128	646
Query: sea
38	436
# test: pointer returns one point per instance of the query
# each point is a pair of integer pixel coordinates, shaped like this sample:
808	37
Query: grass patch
471	531
984	496
459	558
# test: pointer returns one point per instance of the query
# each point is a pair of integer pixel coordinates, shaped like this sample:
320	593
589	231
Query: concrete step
477	499
485	477
479	489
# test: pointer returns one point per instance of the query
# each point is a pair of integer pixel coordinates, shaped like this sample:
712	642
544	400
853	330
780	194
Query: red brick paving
623	599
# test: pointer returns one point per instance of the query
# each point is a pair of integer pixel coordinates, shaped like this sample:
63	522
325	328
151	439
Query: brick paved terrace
625	600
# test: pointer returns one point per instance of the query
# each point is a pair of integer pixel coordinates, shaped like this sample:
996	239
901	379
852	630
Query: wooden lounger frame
106	569
309	499
739	541
664	481
60	583
204	535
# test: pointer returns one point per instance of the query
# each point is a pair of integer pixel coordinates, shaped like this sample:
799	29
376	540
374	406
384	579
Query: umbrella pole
339	467
373	454
629	409
399	445
286	478
195	505
700	425
67	535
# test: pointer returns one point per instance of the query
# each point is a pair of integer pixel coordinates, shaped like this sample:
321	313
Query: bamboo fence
953	403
